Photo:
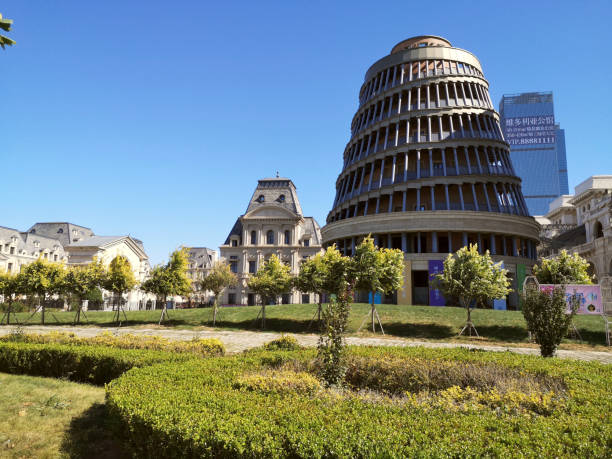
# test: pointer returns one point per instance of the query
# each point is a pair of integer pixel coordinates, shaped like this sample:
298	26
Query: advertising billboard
589	297
530	130
435	295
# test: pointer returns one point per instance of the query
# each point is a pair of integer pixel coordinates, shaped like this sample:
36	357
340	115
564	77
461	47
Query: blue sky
157	118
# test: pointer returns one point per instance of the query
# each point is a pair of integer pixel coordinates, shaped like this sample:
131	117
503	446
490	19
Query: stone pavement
238	341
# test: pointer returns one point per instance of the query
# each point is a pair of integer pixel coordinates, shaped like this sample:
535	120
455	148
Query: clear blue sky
156	118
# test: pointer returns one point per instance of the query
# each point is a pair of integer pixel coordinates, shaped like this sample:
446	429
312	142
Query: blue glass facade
537	147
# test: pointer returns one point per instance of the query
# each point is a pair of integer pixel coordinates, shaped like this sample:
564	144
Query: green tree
82	280
272	279
377	271
9	287
218	279
472	277
41	278
119	279
312	278
563	269
5	24
170	279
547	317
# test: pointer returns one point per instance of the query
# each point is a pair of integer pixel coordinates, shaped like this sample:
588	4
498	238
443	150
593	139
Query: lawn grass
48	418
416	322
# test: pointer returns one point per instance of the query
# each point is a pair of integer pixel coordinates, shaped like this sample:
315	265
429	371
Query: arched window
60	231
261	198
598	230
270	237
253	237
287	237
281	198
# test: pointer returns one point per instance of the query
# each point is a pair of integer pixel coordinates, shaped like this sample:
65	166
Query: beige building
201	260
19	248
582	223
272	224
427	169
73	245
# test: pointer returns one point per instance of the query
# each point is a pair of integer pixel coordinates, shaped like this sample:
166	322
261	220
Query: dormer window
60	231
281	198
261	198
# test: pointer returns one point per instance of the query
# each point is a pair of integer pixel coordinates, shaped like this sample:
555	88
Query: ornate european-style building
272	224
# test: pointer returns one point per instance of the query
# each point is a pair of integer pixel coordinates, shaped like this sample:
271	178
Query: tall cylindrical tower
427	169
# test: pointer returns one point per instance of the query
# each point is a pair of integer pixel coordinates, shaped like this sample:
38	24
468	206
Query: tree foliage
472	277
5	24
119	277
218	279
169	279
271	280
547	317
42	278
563	269
82	280
9	286
377	270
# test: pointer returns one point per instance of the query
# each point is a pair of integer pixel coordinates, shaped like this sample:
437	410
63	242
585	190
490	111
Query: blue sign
500	304
377	298
530	130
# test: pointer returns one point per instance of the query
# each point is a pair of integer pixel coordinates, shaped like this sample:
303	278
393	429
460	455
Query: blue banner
435	295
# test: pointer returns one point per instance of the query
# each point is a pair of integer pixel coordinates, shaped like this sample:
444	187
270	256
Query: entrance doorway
420	287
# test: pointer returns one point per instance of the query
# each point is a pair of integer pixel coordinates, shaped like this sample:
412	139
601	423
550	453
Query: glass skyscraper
537	147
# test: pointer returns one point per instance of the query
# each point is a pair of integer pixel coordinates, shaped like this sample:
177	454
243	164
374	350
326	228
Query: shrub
547	318
219	407
285	342
91	364
279	382
203	347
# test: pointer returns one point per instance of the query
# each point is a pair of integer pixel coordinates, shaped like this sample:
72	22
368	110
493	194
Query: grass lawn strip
415	322
48	418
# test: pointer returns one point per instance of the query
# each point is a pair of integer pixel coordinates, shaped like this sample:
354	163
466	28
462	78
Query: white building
582	223
272	224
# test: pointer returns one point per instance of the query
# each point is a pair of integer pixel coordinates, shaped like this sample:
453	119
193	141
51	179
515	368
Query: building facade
537	146
71	244
427	169
201	260
272	224
582	224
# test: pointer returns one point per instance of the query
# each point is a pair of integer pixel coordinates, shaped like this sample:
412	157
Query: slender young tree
472	277
41	278
377	271
272	279
563	269
81	280
119	279
9	287
338	281
218	279
5	24
312	277
169	279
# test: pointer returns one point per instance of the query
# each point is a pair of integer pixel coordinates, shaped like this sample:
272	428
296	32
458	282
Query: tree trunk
215	308
42	317
263	315
372	311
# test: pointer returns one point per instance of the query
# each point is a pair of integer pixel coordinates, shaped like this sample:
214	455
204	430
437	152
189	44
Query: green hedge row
212	408
90	364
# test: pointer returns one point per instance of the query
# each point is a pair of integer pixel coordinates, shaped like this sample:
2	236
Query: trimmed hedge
89	364
203	347
219	408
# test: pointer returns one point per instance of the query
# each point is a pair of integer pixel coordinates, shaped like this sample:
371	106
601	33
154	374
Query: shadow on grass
90	436
418	330
588	336
509	333
272	324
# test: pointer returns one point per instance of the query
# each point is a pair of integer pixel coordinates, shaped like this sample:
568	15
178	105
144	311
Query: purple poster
589	297
435	295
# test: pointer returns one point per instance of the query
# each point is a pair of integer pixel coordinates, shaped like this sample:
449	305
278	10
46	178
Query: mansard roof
277	191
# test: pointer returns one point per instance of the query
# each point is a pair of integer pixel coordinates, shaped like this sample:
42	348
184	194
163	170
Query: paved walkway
237	341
